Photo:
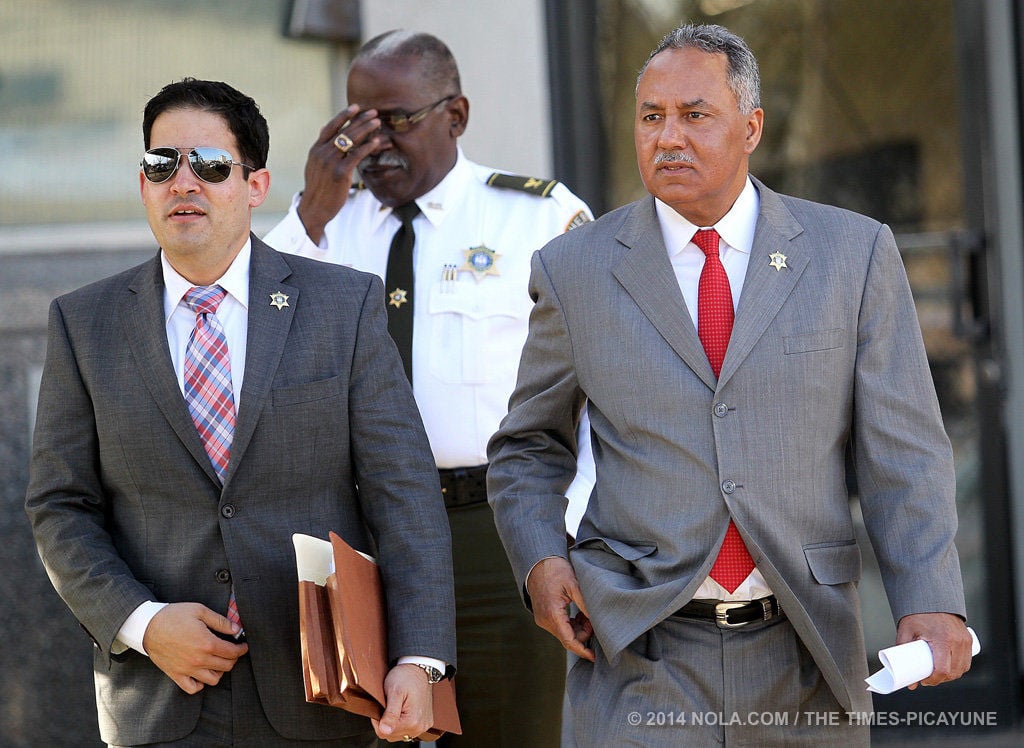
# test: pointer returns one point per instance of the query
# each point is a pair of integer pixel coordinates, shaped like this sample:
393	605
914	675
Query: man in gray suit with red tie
730	343
194	413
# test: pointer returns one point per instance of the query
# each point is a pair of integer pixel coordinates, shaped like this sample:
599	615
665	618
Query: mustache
672	157
385	159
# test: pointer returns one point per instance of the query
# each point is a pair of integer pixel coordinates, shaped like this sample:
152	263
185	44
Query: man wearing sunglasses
197	410
465	305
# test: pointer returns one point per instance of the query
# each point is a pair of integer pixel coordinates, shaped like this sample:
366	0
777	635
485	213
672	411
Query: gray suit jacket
823	351
126	507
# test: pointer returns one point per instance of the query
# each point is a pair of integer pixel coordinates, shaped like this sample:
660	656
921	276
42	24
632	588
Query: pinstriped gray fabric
686	683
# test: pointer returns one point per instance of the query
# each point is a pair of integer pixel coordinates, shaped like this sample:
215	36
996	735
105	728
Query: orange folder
342	623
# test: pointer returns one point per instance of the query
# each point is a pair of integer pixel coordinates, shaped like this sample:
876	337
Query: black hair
241	113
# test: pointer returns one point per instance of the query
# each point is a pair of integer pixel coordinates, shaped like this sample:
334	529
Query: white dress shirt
233	315
736	238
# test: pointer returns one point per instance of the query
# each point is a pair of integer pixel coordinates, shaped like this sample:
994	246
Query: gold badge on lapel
481	261
778	261
397	297
279	300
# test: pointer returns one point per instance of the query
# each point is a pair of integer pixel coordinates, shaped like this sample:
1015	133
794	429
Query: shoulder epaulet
357	185
539	187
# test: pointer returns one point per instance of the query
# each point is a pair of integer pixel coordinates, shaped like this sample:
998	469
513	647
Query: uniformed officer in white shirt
475	232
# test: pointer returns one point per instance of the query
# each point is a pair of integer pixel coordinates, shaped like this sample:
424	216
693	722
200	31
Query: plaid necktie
208	393
714	326
208	377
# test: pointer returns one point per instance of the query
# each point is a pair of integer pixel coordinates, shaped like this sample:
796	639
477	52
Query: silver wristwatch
433	674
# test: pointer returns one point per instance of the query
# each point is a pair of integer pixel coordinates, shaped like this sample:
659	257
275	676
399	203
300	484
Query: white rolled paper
907	663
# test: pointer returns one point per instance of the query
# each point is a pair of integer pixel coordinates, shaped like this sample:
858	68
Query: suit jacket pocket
834	562
820	340
309	392
631	551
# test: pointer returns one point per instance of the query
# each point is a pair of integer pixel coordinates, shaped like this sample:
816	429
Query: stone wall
46	689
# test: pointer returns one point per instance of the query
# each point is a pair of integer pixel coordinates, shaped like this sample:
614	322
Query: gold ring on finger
343	142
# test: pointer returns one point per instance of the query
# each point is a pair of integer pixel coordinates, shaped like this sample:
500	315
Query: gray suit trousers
694	684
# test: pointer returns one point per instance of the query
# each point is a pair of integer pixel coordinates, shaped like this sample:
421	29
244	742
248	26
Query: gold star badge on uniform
279	300
778	261
481	261
397	297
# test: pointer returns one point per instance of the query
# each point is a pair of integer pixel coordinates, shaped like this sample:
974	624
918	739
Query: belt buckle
722	614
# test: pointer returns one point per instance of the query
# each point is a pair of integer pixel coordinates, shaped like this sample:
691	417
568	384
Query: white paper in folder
314	558
907	663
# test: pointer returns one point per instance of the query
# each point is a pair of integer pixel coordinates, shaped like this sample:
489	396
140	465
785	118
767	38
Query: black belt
463	486
730	615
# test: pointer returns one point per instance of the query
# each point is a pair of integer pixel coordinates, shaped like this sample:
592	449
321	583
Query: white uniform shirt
468	333
736	238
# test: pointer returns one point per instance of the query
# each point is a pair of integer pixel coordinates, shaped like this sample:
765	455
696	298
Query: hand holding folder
343	626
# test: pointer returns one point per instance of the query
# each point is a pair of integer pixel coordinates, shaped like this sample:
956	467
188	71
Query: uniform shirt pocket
477	331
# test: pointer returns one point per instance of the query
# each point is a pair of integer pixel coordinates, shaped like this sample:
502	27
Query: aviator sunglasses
397	120
212	165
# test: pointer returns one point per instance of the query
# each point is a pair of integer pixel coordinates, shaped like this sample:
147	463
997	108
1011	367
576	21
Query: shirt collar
736	228
235	280
436	204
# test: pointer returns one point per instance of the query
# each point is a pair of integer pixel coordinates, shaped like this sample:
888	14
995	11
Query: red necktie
714	326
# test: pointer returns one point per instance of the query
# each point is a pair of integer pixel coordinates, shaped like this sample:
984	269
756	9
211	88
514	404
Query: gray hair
743	77
436	62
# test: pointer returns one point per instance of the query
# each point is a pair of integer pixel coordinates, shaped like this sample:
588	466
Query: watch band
433	674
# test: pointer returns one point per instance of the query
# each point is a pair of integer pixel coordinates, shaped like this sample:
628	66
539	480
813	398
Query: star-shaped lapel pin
397	297
778	261
279	300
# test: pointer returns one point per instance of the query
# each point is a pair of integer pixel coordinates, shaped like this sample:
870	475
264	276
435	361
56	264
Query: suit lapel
765	288
646	274
146	332
267	332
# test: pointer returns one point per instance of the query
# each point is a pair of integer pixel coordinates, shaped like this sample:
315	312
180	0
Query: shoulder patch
579	219
539	187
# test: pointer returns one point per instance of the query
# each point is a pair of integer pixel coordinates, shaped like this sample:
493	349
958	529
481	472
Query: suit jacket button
728	486
223	576
721	410
227	511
